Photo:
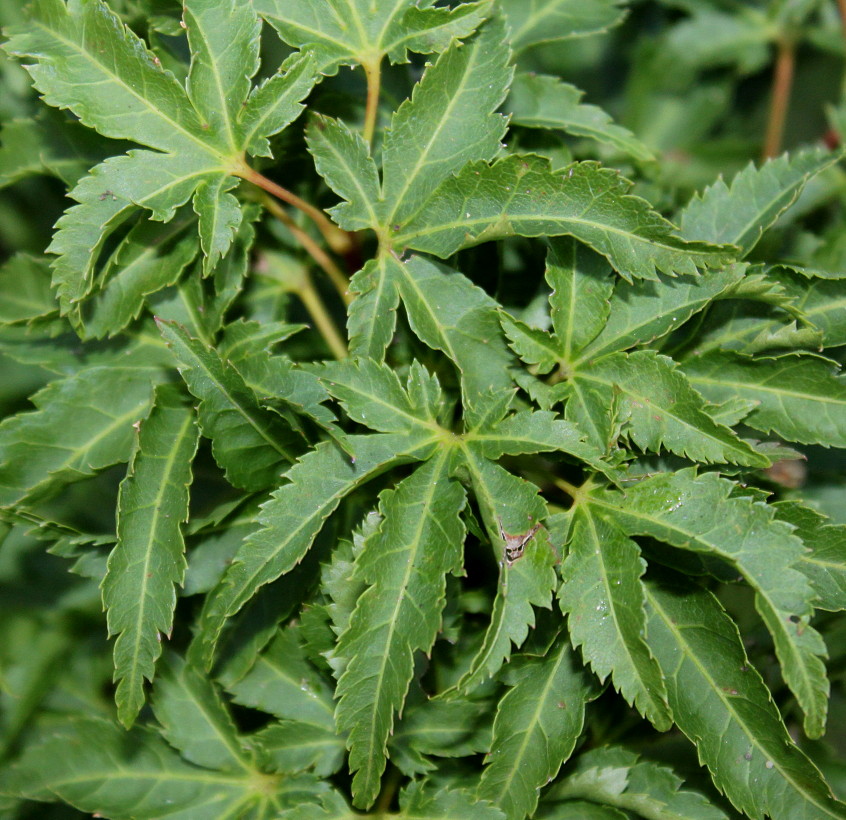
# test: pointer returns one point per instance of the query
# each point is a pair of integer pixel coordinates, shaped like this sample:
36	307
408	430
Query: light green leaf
371	318
249	443
824	561
798	397
292	518
614	776
542	21
81	425
512	512
738	214
602	596
448	121
371	394
698	513
578	810
522	196
25	292
404	564
346	32
331	807
343	159
123	92
536	728
721	703
644	311
541	101
224	42
661	408
288	746
148	562
195	721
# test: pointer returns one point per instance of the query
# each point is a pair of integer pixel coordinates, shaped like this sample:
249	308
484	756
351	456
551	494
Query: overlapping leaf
199	135
721	703
541	21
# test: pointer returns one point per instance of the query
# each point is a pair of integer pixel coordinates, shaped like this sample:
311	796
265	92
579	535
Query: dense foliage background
562	527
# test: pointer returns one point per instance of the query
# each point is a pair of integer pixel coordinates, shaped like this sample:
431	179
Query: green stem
373	71
314	250
322	320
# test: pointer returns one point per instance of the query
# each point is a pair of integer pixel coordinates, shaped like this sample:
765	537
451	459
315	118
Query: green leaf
371	394
522	196
581	285
417	802
511	511
116	775
740	213
80	426
123	92
698	513
799	398
541	101
661	408
601	594
195	721
148	563
445	310
292	518
25	292
346	33
614	776
343	159
721	703
249	443
404	564
448	121
824	561
150	257
644	311
536	728
543	21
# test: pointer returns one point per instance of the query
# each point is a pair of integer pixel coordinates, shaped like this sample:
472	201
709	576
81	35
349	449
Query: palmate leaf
118	775
698	513
448	121
540	101
536	728
614	776
405	562
721	703
799	397
739	213
250	443
199	135
147	563
660	407
81	425
542	21
521	195
292	518
361	31
602	596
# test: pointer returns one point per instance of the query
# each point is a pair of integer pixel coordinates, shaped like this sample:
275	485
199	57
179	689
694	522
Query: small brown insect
515	544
